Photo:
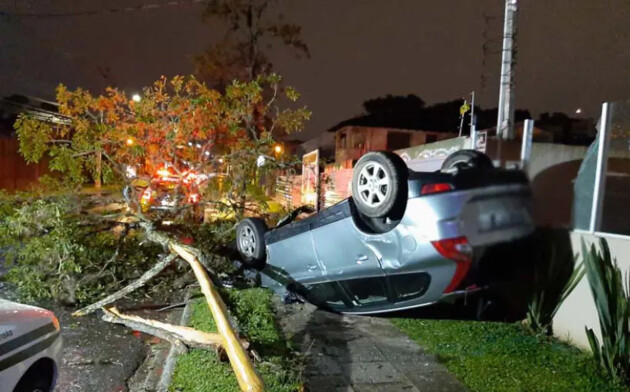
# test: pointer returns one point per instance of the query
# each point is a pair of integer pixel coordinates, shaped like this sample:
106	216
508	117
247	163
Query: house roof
38	108
422	120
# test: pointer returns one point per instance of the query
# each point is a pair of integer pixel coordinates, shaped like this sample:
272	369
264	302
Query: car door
292	257
342	252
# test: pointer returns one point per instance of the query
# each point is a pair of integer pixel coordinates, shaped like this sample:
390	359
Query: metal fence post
600	169
526	144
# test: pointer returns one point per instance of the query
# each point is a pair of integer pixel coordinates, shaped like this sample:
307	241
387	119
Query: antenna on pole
505	119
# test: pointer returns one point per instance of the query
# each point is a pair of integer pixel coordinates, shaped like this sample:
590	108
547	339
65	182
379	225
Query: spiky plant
612	300
555	277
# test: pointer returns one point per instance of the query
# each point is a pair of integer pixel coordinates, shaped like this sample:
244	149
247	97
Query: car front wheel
250	241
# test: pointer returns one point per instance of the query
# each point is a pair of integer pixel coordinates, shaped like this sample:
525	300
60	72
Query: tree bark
189	336
155	270
98	170
246	375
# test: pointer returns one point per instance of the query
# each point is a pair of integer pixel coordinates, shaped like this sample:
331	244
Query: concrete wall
552	171
579	309
429	157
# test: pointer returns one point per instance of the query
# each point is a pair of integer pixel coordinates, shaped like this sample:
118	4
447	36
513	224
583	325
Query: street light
278	149
578	111
129	142
136	97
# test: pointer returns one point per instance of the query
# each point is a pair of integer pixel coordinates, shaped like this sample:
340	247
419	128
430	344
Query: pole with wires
505	118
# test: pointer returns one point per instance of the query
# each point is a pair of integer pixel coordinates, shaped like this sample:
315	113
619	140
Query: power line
142	7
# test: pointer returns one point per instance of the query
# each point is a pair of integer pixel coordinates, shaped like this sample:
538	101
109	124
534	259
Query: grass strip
202	371
488	356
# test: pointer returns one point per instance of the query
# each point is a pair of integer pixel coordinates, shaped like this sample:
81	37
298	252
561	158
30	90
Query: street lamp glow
129	142
136	97
278	149
578	111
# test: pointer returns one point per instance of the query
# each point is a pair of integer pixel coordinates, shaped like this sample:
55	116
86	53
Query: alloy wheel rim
248	241
374	184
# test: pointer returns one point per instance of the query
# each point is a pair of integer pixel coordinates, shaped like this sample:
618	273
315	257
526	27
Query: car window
366	291
326	294
347	294
409	286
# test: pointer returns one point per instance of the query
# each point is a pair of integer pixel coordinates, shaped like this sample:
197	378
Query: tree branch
189	336
155	270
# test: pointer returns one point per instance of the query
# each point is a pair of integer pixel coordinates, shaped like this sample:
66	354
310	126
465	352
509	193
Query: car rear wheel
467	159
250	241
379	185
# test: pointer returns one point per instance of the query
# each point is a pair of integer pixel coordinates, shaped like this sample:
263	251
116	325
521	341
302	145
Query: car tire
381	225
250	241
379	185
467	159
34	384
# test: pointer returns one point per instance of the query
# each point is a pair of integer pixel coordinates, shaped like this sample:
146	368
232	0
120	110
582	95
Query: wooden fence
15	173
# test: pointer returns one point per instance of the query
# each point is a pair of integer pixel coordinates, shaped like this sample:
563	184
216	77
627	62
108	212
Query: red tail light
436	188
458	250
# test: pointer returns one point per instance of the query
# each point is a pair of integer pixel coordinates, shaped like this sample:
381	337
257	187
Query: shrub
556	275
53	253
611	296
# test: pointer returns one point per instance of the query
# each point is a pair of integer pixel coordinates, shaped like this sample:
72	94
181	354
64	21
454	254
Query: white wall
579	309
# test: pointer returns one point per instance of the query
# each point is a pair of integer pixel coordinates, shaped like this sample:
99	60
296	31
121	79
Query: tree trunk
244	370
98	170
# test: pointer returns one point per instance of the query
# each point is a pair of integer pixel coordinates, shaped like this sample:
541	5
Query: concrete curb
175	351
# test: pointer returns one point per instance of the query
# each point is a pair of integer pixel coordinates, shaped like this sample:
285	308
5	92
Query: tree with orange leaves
178	122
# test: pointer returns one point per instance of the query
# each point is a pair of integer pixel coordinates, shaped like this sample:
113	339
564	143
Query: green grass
503	357
201	371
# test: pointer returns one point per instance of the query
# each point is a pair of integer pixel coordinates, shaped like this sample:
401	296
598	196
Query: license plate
503	216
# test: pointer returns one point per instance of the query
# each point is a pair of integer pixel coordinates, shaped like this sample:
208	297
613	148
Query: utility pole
473	122
505	120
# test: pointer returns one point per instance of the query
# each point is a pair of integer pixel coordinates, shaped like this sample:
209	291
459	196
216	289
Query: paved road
97	356
361	354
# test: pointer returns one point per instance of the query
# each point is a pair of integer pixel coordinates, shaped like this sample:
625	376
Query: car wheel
33	385
381	225
250	241
379	185
467	159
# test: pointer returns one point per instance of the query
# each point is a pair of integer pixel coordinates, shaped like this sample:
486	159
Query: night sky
571	53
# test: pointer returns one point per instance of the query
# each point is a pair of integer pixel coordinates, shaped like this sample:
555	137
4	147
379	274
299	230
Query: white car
30	348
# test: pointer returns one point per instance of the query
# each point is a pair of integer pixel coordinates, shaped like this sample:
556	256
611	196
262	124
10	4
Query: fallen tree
191	130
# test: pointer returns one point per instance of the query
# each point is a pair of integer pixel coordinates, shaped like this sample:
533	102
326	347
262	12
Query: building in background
538	133
15	173
351	142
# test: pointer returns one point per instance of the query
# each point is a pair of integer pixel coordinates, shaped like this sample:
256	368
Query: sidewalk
360	354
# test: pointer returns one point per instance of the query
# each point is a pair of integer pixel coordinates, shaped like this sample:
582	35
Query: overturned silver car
404	239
